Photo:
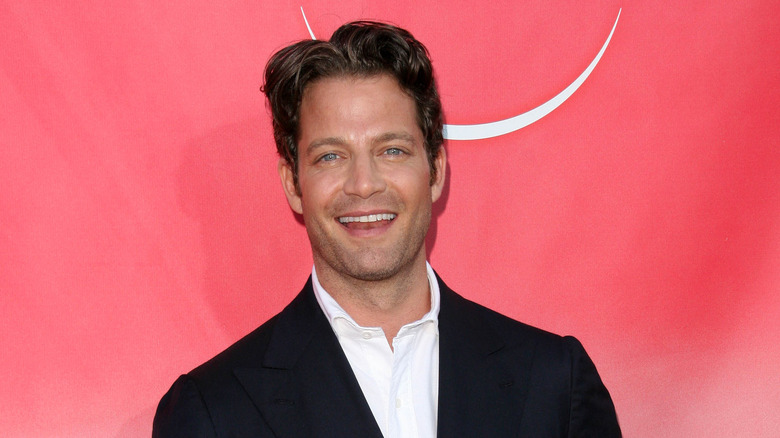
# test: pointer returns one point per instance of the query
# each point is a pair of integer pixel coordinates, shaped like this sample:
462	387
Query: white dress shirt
400	384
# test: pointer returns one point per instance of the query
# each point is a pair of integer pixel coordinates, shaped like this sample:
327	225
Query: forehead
348	80
355	100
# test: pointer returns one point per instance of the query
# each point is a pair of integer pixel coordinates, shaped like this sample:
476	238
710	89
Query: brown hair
360	48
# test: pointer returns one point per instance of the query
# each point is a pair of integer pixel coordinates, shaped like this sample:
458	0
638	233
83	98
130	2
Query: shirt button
398	403
366	335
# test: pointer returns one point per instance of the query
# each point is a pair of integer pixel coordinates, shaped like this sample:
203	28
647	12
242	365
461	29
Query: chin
372	273
377	267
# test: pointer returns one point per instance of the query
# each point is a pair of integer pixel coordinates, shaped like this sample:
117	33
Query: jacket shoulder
563	384
246	352
508	329
212	397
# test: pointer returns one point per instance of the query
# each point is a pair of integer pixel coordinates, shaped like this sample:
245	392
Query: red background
143	229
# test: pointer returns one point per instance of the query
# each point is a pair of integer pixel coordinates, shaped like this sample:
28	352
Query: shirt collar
333	311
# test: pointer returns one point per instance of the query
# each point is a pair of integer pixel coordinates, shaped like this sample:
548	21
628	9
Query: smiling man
365	189
376	344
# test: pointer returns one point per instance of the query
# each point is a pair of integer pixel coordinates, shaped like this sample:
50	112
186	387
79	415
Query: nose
364	178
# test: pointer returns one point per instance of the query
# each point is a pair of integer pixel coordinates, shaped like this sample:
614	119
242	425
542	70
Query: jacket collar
305	374
305	386
478	385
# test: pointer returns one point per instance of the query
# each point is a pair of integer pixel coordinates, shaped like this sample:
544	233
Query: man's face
364	178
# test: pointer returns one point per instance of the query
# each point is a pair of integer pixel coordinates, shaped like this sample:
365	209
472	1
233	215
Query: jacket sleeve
592	413
182	413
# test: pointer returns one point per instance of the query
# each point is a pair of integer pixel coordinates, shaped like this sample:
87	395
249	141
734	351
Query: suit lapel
305	386
478	391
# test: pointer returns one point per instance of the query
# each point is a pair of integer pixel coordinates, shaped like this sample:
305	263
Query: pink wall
143	229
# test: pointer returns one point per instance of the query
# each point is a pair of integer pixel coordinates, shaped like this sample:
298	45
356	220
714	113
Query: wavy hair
362	49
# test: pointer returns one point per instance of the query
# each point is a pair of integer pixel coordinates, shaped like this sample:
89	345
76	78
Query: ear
440	162
288	185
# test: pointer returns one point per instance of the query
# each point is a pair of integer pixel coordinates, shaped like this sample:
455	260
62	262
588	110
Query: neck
390	303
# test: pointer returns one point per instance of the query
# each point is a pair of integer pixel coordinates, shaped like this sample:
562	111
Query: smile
368	218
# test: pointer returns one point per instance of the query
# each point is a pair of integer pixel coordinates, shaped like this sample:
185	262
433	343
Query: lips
367	218
367	221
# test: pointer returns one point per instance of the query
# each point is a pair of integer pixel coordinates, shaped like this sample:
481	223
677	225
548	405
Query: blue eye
394	151
329	157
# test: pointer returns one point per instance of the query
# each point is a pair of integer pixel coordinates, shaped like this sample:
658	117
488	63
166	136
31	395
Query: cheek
415	190
318	191
416	178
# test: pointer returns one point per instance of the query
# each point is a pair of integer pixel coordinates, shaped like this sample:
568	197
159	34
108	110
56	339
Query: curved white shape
501	127
307	24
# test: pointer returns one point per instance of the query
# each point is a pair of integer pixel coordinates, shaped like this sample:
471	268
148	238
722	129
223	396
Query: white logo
501	127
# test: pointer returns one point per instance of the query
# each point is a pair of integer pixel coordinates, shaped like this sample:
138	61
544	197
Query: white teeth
369	218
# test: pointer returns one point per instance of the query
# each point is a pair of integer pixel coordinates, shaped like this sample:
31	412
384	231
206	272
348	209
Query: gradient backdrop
143	229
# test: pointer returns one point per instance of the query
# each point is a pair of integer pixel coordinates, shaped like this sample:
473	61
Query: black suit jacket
290	378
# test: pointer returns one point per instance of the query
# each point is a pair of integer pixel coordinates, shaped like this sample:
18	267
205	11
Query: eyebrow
390	136
324	142
384	138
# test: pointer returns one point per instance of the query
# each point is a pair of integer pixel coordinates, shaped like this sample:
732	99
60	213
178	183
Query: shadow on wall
228	184
437	210
138	425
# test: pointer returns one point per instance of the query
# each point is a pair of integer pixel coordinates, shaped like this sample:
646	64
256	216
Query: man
376	344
